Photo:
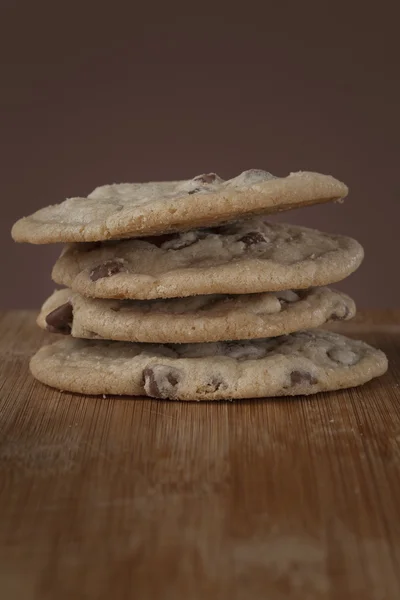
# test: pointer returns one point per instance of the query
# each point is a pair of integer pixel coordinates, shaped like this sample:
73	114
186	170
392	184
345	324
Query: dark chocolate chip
299	377
160	381
60	319
206	178
106	269
340	317
251	238
194	191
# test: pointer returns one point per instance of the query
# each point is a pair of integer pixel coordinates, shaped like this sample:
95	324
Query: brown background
89	97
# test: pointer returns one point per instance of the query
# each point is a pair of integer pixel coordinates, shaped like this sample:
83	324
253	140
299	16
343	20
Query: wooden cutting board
263	499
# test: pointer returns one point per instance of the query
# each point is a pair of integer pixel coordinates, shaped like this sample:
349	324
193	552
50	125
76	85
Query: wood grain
124	498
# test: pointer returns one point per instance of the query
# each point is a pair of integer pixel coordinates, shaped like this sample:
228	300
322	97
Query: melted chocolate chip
251	238
60	319
299	377
340	317
206	178
106	269
160	381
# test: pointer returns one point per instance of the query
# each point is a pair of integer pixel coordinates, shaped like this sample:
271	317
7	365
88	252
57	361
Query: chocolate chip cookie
306	362
247	256
194	319
140	209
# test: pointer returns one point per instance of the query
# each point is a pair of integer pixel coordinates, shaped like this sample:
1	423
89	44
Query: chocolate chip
194	191
341	317
251	238
60	319
206	178
106	269
299	377
160	381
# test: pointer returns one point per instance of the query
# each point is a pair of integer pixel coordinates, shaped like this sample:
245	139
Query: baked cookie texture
194	319
139	209
252	255
184	290
303	363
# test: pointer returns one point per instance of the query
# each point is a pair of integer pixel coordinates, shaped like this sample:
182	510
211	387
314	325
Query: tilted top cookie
301	363
243	257
139	209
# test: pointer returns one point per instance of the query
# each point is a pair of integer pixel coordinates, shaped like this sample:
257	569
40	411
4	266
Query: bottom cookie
301	363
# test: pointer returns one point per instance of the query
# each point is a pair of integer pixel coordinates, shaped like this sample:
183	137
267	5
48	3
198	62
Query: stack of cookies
184	290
